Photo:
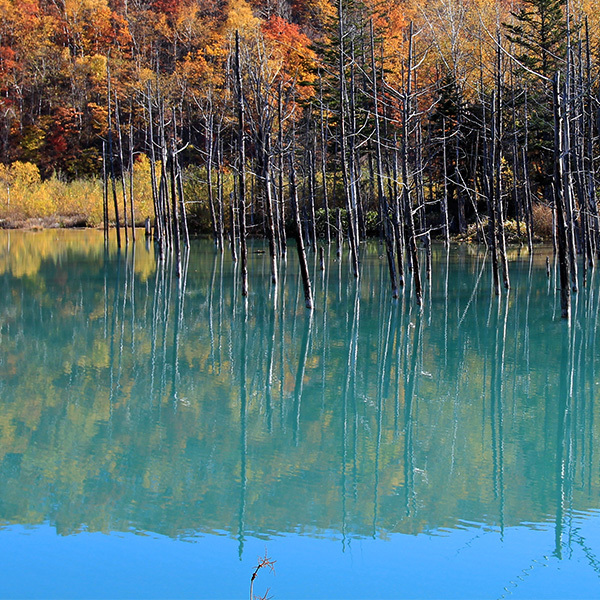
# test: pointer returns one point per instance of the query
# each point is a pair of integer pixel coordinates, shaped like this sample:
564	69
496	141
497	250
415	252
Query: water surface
158	434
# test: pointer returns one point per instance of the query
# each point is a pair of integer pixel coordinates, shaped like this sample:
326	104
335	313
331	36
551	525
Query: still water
158	435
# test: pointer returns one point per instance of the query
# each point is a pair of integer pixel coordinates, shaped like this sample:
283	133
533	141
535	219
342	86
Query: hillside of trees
324	119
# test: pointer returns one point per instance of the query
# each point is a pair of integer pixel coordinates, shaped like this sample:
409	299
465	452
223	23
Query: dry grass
542	221
25	197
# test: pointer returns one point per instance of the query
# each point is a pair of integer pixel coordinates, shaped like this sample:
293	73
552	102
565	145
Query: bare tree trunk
488	189
409	220
158	220
445	185
175	212
271	222
567	188
111	156
397	220
221	223
131	161
347	172
208	127
233	228
163	190
281	233
242	166
308	298
589	154
324	162
561	221
122	168
340	234
181	201
497	140
104	195
526	181
383	203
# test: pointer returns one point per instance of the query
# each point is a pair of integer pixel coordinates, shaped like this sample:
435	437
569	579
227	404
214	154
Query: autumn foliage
55	58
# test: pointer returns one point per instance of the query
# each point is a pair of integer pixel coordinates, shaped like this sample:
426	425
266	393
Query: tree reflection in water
133	399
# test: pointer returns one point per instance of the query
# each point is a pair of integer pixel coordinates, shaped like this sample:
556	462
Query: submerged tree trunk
158	221
208	127
131	160
111	156
409	219
561	222
347	170
383	202
497	141
122	168
241	166
104	195
308	297
324	163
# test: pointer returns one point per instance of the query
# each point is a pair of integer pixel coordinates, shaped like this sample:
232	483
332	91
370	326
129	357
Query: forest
326	121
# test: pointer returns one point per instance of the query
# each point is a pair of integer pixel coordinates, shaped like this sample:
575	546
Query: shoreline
41	223
81	222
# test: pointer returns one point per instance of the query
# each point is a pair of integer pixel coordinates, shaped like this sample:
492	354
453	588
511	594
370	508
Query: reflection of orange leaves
10	366
25	268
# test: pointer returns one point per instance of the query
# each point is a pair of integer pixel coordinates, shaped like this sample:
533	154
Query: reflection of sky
471	562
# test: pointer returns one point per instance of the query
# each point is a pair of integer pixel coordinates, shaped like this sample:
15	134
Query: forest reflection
132	399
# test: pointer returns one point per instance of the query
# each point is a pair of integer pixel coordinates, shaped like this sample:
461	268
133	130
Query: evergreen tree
539	32
538	35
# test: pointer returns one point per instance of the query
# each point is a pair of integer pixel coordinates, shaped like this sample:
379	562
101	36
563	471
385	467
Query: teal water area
159	434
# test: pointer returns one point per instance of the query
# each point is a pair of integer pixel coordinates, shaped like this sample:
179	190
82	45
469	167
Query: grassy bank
28	201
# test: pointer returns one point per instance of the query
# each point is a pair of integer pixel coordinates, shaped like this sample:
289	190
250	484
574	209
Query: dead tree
122	167
348	174
241	200
497	153
561	215
409	220
308	296
383	202
111	155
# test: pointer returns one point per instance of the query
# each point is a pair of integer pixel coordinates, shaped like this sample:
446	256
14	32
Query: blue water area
160	434
470	561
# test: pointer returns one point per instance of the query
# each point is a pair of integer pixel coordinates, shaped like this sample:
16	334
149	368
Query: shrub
24	195
542	221
19	182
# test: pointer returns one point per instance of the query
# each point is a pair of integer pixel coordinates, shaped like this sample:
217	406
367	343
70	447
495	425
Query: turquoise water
158	435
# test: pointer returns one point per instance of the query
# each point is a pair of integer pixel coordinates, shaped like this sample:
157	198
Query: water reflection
134	399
